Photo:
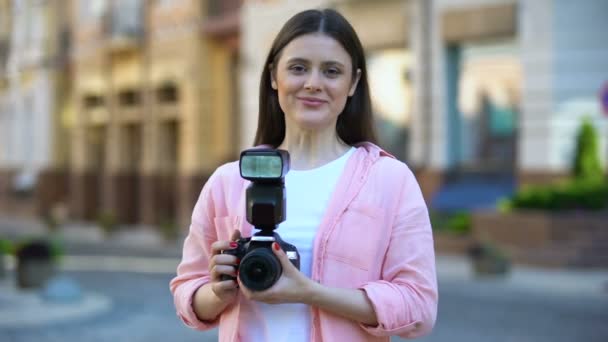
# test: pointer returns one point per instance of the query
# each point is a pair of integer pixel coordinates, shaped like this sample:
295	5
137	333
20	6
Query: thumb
236	234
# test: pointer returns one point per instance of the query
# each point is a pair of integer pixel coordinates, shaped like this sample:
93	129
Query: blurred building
477	96
34	92
125	107
154	93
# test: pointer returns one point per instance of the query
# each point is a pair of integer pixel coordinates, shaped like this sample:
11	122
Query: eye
333	72
297	68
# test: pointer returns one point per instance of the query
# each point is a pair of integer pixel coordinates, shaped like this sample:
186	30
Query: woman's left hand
292	286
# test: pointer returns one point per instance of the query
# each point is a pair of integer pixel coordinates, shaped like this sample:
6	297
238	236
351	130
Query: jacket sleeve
405	299
193	270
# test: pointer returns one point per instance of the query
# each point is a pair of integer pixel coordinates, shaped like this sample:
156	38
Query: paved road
470	310
132	271
493	312
141	310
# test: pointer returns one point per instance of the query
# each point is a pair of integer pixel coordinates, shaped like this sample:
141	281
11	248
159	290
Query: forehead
316	47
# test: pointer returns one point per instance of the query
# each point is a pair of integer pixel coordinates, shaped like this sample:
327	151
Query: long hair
355	123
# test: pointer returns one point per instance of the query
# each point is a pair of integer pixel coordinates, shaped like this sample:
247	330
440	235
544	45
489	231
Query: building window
93	101
91	9
167	93
129	98
127	18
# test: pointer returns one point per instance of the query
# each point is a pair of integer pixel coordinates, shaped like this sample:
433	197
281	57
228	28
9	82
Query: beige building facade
123	108
153	96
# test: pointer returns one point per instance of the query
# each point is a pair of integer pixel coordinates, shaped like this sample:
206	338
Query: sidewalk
141	248
563	282
84	238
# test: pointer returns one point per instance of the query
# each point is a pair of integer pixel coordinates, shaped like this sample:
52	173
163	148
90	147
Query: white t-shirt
307	197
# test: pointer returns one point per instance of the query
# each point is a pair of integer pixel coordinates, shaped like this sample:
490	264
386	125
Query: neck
309	149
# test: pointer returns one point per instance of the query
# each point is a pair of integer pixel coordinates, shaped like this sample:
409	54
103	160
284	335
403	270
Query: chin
313	123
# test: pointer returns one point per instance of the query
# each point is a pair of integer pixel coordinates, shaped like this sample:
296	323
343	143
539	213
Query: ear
356	79
273	81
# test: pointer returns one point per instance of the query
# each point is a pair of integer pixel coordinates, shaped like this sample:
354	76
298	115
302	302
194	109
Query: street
470	310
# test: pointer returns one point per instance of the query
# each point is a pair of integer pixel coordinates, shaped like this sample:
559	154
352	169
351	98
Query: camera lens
259	269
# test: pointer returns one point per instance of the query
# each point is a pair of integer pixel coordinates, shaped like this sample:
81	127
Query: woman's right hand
224	264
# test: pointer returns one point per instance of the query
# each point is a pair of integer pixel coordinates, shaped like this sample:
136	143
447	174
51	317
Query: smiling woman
355	214
313	77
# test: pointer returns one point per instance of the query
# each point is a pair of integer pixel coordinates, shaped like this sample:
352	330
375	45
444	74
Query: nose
313	83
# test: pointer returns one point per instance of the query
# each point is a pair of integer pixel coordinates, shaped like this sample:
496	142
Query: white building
30	140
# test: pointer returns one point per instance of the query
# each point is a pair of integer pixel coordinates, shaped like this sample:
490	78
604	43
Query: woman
355	213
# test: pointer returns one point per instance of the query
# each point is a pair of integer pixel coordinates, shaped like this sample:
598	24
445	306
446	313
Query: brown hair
355	123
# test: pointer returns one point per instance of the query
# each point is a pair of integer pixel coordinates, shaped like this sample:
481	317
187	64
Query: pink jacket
375	236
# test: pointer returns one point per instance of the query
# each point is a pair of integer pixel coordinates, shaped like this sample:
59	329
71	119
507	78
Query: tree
587	165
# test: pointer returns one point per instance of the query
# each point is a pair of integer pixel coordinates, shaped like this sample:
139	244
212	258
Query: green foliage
505	205
6	247
454	223
571	195
587	164
459	223
108	222
587	190
55	246
57	249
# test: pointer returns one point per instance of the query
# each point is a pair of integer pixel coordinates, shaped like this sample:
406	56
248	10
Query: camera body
259	268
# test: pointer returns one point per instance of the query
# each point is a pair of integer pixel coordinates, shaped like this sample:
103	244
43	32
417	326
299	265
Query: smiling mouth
311	101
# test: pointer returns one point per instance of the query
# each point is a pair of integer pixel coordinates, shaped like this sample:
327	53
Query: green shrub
6	247
587	190
458	223
587	164
54	246
571	195
108	222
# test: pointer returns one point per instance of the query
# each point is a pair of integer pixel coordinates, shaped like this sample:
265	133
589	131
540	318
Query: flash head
264	165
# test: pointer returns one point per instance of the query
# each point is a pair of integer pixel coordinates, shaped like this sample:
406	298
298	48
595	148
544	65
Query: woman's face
313	78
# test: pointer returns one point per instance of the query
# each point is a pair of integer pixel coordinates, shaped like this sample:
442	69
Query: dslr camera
259	268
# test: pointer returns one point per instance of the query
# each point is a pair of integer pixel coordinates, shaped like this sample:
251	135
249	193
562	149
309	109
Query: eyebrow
303	60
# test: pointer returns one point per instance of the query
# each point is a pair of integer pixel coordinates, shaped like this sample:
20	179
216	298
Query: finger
218	246
225	259
236	235
280	254
218	270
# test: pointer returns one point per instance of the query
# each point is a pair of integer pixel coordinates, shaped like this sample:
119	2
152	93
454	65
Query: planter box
34	273
448	243
578	239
